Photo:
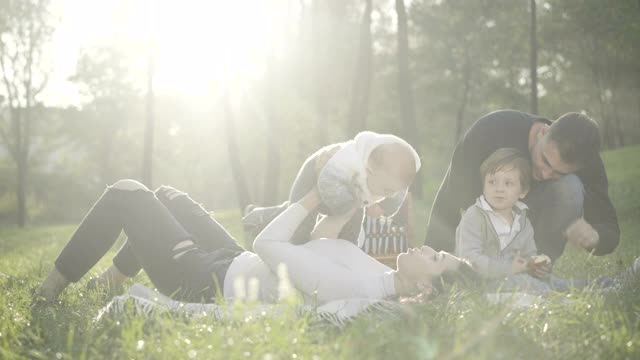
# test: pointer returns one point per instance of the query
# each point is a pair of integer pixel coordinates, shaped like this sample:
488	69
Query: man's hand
580	233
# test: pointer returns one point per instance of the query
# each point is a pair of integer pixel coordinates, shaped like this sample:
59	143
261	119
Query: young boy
496	236
350	176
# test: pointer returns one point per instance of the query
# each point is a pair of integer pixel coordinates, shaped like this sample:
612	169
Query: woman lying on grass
189	256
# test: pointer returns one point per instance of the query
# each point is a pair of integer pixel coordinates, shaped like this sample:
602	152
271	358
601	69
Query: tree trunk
465	93
638	96
614	83
147	160
320	27
533	58
237	170
19	53
272	178
21	168
596	71
606	131
22	192
405	91
619	134
362	81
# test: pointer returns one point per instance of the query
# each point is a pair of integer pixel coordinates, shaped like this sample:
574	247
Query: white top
506	232
322	270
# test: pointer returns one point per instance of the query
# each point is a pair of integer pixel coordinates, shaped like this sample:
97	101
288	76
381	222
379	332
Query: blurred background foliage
421	69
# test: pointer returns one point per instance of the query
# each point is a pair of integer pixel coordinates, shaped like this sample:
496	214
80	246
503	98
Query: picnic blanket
338	313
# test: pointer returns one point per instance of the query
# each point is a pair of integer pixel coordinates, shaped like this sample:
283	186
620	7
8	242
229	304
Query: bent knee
129	185
568	190
168	192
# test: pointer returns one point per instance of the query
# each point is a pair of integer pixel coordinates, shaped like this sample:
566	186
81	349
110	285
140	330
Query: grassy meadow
457	324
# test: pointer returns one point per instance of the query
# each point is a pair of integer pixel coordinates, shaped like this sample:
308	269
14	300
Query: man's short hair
507	159
577	137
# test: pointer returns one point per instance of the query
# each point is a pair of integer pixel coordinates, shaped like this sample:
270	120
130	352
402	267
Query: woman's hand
325	155
311	200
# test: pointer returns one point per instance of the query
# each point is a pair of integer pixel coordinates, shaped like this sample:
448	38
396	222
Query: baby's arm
469	246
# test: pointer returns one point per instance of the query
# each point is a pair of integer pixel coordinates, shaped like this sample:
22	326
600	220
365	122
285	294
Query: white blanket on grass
338	313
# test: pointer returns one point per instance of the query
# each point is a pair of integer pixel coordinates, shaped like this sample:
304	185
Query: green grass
459	324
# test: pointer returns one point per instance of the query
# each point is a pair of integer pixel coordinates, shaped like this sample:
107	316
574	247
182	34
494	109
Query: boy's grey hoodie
478	242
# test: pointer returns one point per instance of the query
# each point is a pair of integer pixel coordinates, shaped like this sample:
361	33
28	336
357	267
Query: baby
350	176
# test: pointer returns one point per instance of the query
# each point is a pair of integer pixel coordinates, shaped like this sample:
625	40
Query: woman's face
424	263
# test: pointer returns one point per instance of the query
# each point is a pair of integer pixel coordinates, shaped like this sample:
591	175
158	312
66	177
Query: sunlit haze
195	43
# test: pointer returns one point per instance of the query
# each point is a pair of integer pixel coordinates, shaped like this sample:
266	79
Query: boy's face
503	189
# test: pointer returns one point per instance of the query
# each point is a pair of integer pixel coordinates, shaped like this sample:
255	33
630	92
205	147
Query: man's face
546	161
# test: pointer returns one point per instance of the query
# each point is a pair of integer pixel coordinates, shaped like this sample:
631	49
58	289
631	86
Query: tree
25	28
320	28
359	106
105	77
405	91
272	173
147	158
449	38
533	69
237	171
604	49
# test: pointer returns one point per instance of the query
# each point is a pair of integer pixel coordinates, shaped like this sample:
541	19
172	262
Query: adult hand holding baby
311	200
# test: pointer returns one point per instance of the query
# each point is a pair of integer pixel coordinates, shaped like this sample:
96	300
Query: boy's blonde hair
507	159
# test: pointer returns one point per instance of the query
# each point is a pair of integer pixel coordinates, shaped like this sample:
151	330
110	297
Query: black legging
154	224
